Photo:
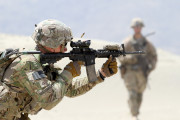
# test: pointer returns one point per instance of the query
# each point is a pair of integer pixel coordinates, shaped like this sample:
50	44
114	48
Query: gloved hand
74	68
8	52
109	68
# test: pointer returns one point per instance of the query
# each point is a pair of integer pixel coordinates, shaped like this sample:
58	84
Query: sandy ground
108	101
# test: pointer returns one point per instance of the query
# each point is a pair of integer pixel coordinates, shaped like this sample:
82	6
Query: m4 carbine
81	51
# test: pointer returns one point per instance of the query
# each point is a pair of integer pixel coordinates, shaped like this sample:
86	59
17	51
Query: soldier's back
14	99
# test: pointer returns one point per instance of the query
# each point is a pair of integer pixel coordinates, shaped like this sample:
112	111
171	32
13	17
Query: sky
100	19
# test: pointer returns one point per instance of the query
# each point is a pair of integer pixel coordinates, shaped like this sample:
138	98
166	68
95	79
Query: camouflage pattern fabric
136	84
32	87
4	62
81	86
145	62
135	70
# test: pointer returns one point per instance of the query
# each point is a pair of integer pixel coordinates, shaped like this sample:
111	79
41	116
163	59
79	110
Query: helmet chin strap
42	49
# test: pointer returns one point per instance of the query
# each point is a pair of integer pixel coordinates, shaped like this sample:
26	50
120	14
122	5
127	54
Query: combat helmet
52	33
137	22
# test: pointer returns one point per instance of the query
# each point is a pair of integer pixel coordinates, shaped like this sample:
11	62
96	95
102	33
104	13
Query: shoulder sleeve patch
38	75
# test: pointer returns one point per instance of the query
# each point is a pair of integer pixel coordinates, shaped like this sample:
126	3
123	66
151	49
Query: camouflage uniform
27	86
136	68
30	86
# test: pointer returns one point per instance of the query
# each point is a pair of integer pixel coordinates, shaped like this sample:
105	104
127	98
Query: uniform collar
140	40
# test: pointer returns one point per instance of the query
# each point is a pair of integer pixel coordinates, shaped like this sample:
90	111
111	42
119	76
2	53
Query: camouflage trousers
135	82
23	117
9	107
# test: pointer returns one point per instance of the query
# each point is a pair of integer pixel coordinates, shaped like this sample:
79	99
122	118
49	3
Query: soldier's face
60	49
137	29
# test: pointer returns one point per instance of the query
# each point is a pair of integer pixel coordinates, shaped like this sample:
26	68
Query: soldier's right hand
74	68
109	68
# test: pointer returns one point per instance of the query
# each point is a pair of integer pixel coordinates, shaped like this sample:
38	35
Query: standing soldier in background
135	69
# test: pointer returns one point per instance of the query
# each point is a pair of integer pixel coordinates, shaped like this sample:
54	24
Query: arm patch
38	75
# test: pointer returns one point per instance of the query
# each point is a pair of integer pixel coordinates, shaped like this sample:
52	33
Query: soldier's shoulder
27	62
148	41
19	67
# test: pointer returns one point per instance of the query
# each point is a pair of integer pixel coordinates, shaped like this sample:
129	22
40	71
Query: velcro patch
38	75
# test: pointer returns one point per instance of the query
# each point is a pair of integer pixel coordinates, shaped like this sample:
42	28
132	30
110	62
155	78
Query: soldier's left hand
7	52
74	68
109	68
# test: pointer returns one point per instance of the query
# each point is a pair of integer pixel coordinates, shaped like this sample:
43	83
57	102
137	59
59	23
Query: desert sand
108	101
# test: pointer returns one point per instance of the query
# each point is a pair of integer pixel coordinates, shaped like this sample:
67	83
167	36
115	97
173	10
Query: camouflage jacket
145	62
31	87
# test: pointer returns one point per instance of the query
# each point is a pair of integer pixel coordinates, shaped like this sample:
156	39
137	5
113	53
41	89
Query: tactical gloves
74	68
109	68
8	52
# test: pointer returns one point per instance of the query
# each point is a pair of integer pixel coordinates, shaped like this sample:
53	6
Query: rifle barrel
31	52
136	52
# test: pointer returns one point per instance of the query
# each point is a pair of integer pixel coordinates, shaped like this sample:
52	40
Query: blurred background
102	19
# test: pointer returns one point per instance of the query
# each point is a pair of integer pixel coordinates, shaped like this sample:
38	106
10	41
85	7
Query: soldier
29	86
135	69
